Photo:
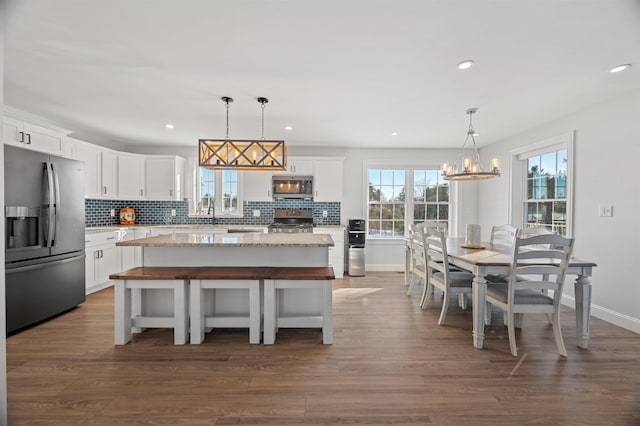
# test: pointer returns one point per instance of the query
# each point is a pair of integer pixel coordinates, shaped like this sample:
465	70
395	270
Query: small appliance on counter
356	233
127	216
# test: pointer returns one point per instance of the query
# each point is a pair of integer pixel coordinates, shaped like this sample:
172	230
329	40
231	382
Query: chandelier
241	154
470	168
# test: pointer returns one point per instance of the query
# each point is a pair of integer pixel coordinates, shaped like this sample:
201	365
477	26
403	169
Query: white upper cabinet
131	176
256	186
300	166
32	136
101	169
327	179
165	177
109	174
90	154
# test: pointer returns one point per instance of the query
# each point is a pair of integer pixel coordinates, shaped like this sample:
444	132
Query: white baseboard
616	318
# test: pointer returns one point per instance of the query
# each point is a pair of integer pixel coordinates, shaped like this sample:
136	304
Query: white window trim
217	205
518	183
366	165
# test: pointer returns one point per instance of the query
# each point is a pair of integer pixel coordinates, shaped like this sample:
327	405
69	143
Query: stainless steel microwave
292	186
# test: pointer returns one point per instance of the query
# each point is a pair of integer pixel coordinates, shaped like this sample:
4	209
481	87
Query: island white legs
204	317
124	321
275	318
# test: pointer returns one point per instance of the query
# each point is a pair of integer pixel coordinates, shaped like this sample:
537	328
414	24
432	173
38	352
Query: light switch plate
325	213
173	212
605	211
113	212
256	213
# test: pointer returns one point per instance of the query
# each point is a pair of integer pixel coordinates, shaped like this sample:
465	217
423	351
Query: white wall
607	156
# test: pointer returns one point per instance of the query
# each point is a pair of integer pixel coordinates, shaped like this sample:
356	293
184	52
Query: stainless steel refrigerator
44	236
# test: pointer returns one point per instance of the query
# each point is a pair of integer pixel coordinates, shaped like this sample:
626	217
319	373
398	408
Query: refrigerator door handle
42	265
50	212
56	183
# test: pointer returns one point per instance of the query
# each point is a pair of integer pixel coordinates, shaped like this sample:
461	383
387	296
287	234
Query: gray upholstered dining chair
439	274
540	263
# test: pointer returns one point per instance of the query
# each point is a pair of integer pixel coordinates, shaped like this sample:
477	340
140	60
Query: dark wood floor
390	365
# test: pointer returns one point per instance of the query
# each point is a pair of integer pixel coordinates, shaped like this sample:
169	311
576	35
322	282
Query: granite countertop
233	240
94	229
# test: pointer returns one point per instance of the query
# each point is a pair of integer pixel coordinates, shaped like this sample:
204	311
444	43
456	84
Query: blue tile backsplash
98	212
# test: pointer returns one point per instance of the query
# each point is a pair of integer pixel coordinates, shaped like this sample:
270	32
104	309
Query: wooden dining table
496	259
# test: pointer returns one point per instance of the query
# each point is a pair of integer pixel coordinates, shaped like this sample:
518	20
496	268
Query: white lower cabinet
101	260
336	253
130	257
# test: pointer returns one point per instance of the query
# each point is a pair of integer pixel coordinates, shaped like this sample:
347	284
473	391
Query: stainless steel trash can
356	261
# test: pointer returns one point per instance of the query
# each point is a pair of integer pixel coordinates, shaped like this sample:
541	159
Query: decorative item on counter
473	238
127	216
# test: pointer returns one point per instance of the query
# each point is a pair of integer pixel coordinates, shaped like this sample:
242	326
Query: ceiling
340	72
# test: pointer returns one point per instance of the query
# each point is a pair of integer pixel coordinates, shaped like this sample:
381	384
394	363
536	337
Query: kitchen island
243	249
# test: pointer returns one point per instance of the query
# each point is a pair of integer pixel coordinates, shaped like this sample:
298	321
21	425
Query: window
546	200
543	198
215	192
430	196
400	196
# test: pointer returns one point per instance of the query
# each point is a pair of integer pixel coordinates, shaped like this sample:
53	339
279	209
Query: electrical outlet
605	211
325	213
173	212
113	212
256	213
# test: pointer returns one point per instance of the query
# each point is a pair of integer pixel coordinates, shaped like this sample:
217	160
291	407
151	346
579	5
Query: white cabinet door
256	186
42	139
31	136
90	154
90	269
109	174
131	176
13	132
107	263
336	253
165	177
328	180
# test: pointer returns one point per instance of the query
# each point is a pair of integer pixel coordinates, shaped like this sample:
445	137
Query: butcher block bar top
233	240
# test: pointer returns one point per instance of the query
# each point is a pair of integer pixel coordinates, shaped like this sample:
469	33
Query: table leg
582	288
479	300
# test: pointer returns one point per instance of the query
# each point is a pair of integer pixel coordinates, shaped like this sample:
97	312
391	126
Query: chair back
503	235
542	261
417	247
435	241
534	230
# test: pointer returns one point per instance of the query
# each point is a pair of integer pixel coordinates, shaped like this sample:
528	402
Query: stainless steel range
292	221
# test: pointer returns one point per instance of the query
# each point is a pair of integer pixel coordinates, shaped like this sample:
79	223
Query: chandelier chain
262	106
227	106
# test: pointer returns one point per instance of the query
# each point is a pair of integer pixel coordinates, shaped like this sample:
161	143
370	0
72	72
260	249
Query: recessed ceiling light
394	133
465	64
169	126
620	68
288	128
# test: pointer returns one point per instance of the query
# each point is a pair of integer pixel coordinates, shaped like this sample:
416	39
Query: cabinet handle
28	138
171	192
316	194
21	137
111	238
101	254
142	192
104	190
